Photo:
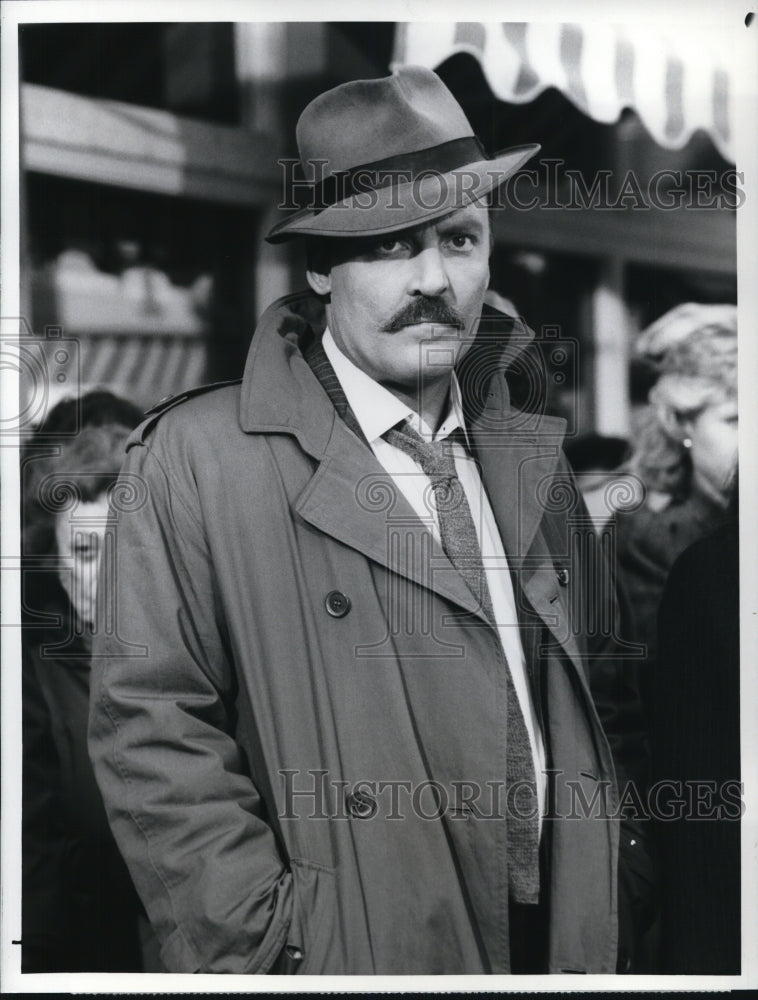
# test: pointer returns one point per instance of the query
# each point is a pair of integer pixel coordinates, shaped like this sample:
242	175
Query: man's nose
430	274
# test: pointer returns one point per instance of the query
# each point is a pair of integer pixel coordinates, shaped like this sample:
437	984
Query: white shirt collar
377	409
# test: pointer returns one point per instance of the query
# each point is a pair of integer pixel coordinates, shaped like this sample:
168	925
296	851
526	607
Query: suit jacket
289	648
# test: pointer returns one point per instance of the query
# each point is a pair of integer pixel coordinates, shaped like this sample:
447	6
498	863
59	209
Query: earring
687	442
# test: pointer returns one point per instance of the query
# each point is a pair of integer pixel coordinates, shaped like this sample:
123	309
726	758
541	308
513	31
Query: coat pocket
311	933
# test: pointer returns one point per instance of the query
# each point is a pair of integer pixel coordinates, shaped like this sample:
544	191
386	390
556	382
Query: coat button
337	604
361	804
563	576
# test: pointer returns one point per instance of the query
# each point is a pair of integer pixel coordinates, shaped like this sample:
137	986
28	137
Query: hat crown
366	121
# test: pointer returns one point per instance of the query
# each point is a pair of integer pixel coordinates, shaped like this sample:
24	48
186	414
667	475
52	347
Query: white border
681	12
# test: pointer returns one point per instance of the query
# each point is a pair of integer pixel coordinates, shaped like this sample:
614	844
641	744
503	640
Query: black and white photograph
379	584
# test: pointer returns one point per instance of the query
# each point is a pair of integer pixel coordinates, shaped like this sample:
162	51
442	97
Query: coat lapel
352	498
518	454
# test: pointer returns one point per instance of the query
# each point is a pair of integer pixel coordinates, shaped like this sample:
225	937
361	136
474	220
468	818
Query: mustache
424	310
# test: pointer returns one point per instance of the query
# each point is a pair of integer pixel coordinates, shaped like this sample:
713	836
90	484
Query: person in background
696	752
79	908
96	408
685	455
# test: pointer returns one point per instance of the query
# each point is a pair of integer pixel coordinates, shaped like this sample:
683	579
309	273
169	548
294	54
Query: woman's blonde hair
693	349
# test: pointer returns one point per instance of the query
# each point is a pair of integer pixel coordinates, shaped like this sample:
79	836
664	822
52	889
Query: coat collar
280	393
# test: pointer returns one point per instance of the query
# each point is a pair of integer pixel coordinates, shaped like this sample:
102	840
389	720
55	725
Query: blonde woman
685	454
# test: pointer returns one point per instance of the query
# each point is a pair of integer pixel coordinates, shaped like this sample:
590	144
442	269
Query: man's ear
320	283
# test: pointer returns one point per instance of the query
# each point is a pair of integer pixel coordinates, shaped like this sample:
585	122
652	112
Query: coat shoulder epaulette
154	414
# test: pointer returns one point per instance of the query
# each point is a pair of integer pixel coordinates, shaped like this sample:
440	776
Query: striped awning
142	369
676	82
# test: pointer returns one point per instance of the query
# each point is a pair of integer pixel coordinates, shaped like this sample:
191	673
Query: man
342	722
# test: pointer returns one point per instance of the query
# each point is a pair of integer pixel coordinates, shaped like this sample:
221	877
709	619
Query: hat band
402	168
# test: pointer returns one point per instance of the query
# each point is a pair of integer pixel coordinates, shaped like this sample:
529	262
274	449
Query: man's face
404	307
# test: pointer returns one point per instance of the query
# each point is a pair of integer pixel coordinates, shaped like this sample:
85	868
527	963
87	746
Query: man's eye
461	241
389	246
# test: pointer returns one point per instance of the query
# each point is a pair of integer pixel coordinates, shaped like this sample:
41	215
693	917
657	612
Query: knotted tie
461	544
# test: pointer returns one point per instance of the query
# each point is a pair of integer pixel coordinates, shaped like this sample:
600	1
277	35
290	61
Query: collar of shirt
377	409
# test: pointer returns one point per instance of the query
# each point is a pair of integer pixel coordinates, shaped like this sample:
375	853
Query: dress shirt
377	410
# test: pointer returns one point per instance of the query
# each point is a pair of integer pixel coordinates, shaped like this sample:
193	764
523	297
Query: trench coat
287	649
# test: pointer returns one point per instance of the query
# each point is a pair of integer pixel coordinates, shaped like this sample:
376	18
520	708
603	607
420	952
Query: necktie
461	544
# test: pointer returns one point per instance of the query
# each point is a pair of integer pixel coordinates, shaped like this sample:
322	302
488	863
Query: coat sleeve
184	811
614	683
612	674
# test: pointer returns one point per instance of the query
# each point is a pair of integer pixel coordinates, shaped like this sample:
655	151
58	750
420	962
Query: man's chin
432	357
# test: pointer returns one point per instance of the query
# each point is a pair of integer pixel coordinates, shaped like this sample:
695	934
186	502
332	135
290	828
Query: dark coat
696	738
648	544
79	907
268	582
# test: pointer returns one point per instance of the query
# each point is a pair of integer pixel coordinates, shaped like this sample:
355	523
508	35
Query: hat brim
399	206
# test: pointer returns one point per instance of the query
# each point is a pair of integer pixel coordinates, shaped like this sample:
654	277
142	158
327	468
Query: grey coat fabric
232	673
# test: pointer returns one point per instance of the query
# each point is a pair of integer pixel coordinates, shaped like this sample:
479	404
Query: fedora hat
382	155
